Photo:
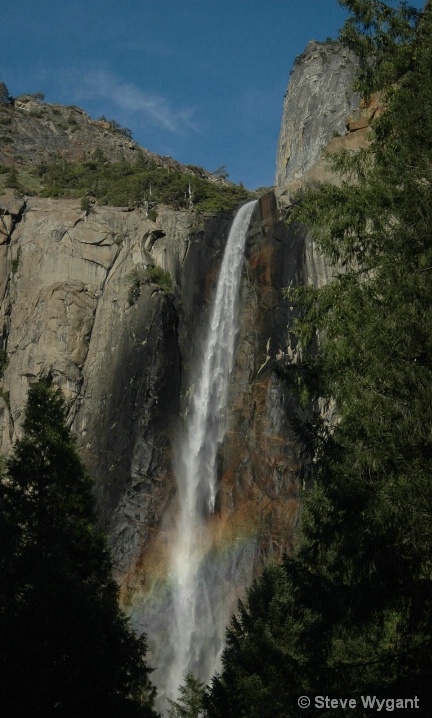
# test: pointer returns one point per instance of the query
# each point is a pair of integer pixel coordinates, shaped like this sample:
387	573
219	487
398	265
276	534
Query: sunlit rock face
317	103
122	367
66	278
321	115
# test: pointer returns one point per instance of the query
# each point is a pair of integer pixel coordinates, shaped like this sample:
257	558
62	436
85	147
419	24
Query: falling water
196	637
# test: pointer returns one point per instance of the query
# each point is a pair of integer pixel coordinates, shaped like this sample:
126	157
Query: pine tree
190	702
382	37
4	94
65	647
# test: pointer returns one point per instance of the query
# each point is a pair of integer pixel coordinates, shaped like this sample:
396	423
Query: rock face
321	115
317	104
259	458
36	131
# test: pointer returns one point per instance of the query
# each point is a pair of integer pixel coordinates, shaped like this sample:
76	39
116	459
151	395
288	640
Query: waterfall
199	610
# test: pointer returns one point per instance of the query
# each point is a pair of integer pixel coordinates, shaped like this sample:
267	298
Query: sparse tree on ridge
221	172
4	94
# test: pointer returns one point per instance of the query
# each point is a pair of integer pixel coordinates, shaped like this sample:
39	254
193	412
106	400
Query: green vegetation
10	177
221	172
140	276
120	183
5	98
383	38
27	182
65	647
261	191
85	204
39	112
350	614
123	184
37	96
197	169
190	703
136	278
13	180
159	276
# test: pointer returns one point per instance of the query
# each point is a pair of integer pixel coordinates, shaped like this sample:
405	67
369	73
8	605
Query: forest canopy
123	183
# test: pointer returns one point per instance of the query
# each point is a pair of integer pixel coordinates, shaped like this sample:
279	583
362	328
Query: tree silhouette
65	647
4	94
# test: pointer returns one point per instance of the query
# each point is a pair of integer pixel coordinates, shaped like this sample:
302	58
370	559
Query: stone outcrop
317	104
321	115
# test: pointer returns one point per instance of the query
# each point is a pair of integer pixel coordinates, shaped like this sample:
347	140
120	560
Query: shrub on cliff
65	647
150	275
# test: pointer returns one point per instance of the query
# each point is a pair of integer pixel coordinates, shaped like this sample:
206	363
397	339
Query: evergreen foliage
65	647
5	99
122	183
351	613
382	37
190	702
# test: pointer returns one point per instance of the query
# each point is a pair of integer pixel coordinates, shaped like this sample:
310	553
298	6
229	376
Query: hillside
58	151
33	131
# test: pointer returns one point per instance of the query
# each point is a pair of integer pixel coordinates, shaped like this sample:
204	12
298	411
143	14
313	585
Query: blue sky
200	80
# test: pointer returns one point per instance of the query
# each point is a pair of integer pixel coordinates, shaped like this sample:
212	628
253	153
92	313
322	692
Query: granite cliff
322	114
126	367
317	103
